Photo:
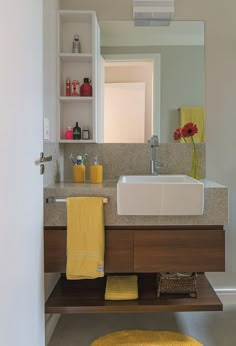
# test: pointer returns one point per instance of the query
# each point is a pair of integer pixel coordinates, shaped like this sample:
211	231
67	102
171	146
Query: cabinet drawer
119	251
176	251
55	251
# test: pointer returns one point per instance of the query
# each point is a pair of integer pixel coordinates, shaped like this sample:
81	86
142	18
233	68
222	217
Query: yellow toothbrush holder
96	174
79	173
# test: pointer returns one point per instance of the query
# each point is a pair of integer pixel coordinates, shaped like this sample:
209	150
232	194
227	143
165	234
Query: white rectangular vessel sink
159	195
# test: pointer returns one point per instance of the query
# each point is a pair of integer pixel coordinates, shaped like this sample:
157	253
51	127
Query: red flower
189	130
178	134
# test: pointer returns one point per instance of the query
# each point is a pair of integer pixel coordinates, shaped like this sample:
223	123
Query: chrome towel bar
63	200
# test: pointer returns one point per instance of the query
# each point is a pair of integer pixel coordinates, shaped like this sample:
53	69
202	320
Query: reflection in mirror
153	79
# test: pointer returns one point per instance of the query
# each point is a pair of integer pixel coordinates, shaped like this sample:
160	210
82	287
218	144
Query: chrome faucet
154	164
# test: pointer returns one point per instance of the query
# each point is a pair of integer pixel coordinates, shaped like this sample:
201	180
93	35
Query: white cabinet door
21	185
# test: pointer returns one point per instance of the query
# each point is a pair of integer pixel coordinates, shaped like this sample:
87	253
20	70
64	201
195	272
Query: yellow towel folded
121	287
85	238
194	115
145	338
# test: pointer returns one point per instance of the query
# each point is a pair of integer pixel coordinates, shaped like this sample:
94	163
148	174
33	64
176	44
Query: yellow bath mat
145	338
121	287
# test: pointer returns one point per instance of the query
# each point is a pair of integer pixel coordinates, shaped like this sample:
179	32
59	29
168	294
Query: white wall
220	67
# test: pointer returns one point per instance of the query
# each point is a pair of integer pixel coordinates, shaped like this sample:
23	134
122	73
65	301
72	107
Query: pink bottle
86	88
69	133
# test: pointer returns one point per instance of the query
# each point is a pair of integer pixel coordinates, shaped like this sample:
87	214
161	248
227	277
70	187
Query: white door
21	186
124	112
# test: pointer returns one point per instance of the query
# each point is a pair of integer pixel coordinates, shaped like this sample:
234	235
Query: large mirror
153	79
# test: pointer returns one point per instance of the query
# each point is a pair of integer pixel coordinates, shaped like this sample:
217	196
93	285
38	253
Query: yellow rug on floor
121	287
145	338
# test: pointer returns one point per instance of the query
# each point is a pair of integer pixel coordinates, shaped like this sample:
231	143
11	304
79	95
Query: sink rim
181	179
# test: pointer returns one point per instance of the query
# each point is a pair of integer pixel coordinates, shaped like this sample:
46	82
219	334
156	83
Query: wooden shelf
75	57
87	296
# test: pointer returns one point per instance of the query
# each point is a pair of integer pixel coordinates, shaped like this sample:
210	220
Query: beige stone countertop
215	206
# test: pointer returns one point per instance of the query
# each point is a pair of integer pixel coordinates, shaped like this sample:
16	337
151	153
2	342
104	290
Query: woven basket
177	285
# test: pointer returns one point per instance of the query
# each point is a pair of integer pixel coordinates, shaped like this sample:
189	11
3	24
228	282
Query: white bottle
76	44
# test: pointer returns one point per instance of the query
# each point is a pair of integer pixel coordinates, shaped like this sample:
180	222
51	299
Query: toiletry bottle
76	44
75	88
85	133
96	172
79	160
77	132
79	170
86	88
68	87
69	133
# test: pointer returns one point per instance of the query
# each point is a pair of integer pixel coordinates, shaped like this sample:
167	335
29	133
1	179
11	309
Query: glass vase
195	173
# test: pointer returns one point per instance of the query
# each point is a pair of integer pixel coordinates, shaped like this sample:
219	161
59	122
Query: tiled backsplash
127	159
54	168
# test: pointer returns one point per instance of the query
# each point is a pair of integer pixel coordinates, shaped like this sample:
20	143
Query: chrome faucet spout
154	164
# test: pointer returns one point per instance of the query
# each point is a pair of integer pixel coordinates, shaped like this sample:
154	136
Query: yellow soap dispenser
79	168
96	172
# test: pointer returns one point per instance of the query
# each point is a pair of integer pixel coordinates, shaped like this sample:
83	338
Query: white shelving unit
77	66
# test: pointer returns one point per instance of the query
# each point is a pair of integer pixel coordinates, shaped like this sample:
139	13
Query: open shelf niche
77	66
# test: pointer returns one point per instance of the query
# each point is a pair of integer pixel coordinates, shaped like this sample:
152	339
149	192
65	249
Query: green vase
195	163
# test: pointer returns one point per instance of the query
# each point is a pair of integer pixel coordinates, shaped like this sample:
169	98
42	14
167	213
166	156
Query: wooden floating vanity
144	245
144	250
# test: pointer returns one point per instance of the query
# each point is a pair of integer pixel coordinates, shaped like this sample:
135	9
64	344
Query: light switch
46	129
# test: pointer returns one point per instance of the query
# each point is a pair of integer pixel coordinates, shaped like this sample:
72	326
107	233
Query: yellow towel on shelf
145	338
194	115
85	238
121	287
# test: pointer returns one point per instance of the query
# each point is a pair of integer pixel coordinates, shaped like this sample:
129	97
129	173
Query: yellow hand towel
194	115
85	238
121	287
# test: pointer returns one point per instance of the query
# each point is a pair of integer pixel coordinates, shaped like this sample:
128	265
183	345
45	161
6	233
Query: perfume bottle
76	44
68	87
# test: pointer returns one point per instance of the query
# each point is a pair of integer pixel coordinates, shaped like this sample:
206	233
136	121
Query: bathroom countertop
215	206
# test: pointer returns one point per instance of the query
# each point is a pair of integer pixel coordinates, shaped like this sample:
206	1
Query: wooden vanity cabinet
119	253
55	251
148	251
145	251
179	251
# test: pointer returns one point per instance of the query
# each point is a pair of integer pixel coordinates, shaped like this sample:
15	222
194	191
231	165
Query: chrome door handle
43	159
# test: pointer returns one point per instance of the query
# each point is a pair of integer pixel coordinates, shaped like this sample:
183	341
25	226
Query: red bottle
69	133
86	88
68	87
